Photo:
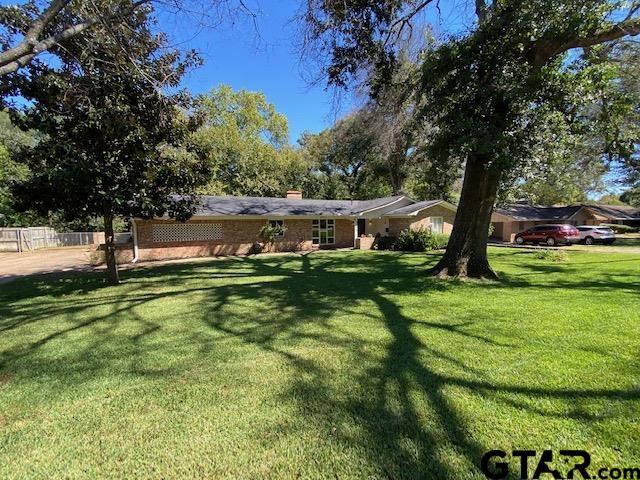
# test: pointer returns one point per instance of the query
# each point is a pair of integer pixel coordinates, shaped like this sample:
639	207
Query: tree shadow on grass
402	419
394	433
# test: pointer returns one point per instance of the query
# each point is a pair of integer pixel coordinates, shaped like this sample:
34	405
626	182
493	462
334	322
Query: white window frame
433	225
280	222
317	230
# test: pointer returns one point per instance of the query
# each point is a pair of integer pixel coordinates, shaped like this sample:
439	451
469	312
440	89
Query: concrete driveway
15	265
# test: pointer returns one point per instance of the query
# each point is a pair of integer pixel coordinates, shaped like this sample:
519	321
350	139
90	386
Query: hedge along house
510	219
227	225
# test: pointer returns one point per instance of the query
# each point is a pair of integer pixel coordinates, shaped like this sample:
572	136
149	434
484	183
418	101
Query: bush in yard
420	240
440	239
268	235
386	243
557	256
620	228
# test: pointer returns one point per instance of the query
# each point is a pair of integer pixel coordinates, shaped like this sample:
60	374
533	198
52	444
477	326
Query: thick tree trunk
466	254
396	177
110	250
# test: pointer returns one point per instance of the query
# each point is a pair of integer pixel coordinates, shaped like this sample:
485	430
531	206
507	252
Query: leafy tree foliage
401	137
561	169
488	93
380	149
622	106
324	180
11	140
12	171
113	144
369	154
574	153
610	199
344	159
245	142
631	197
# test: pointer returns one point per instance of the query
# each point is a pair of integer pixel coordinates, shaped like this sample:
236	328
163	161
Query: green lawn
331	365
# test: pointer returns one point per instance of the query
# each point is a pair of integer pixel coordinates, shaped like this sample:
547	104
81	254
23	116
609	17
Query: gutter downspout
134	232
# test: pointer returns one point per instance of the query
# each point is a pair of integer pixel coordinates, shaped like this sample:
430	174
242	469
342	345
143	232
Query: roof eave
400	198
415	213
256	216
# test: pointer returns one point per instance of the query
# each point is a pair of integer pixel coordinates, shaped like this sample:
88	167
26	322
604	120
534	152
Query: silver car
590	234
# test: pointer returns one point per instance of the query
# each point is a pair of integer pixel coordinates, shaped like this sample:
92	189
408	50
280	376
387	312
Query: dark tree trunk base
112	276
462	268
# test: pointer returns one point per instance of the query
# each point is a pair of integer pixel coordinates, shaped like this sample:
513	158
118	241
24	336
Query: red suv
549	234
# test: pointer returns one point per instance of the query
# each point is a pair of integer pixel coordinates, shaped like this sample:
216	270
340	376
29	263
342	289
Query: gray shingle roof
414	207
269	206
616	212
523	211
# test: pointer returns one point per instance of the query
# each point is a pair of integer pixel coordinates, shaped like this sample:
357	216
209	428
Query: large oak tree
486	91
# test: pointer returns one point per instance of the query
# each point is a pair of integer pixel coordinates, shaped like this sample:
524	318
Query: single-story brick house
227	225
510	219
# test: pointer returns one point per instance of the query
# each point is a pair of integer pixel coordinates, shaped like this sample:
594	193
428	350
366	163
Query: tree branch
544	50
481	10
16	64
405	20
31	37
19	56
629	28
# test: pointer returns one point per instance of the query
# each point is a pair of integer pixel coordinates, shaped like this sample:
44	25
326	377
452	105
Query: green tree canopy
112	143
631	197
245	142
12	139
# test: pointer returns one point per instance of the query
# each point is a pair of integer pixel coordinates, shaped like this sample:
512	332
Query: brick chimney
294	194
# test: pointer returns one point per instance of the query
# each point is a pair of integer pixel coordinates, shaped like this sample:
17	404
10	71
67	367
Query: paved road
14	265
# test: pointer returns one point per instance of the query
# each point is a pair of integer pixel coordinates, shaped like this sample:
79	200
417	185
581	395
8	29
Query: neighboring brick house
437	215
516	217
229	225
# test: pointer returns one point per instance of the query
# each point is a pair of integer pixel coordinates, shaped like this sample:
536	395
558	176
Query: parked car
590	234
549	234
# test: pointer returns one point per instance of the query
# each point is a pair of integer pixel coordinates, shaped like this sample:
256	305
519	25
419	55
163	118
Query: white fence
33	238
23	239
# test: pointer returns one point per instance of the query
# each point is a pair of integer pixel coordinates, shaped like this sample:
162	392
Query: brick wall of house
422	220
124	254
238	237
344	233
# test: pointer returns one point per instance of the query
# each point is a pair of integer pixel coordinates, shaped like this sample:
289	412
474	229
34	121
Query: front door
361	226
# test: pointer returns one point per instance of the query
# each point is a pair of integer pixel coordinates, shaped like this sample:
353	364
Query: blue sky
260	58
268	61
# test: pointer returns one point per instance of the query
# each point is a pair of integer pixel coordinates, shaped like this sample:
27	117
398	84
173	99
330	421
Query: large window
437	224
324	232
